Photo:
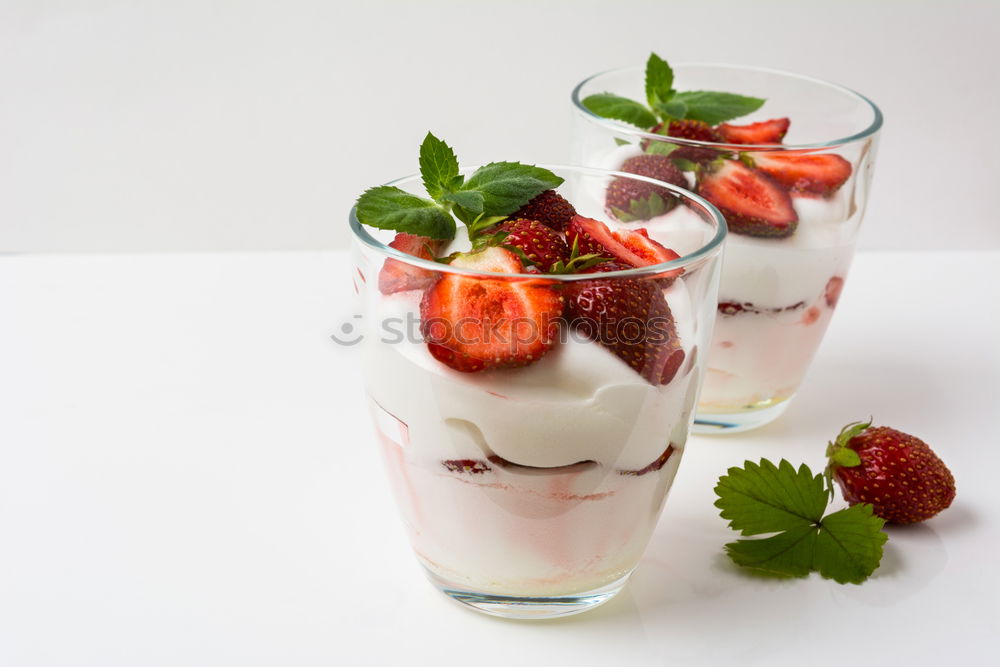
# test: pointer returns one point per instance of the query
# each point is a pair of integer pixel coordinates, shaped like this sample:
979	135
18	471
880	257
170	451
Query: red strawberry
398	276
630	317
897	473
834	286
814	173
542	245
660	461
631	200
695	130
632	247
548	208
473	323
752	203
765	132
471	466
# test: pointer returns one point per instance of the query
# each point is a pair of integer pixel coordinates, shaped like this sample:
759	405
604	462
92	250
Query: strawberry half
630	317
898	474
548	208
630	200
765	132
472	323
814	173
398	276
542	245
631	247
752	203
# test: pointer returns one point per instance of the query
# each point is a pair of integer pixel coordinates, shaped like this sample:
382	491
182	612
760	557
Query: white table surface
187	477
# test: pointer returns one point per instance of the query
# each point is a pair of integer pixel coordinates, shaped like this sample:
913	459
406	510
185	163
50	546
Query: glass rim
714	245
874	127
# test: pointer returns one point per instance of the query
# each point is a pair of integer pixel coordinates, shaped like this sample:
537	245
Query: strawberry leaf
845	546
629	111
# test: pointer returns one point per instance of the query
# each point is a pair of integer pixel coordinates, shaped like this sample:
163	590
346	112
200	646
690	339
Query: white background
211	125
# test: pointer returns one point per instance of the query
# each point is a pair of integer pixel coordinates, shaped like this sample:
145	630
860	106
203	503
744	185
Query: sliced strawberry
470	466
473	323
398	276
834	286
814	173
765	132
630	317
632	247
752	203
548	208
542	245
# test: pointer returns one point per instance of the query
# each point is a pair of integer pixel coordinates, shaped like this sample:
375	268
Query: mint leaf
507	186
469	200
714	108
611	106
661	147
674	108
438	166
388	207
849	547
845	546
763	498
659	80
645	208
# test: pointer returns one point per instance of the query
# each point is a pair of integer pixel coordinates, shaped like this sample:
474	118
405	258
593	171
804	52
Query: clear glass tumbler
532	492
778	291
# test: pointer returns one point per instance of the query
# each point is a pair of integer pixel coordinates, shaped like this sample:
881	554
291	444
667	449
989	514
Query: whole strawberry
896	473
541	245
548	208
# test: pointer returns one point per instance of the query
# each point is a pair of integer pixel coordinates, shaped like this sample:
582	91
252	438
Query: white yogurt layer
552	528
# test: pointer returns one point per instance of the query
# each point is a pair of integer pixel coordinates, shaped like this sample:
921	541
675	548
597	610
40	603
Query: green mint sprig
490	194
665	104
759	499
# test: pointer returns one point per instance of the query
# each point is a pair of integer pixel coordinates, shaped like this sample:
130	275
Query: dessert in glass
531	374
788	160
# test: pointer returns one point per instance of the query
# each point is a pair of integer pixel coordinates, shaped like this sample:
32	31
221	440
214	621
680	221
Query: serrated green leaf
675	108
438	166
845	546
764	498
661	147
470	200
621	142
629	111
685	165
715	107
659	80
388	207
507	186
787	554
849	545
645	208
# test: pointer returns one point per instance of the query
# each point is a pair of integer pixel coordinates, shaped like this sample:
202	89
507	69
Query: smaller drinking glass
782	279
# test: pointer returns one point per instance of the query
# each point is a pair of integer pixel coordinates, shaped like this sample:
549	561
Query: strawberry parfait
532	377
791	177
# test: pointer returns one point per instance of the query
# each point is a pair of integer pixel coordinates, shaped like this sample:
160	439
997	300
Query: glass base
528	607
711	423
